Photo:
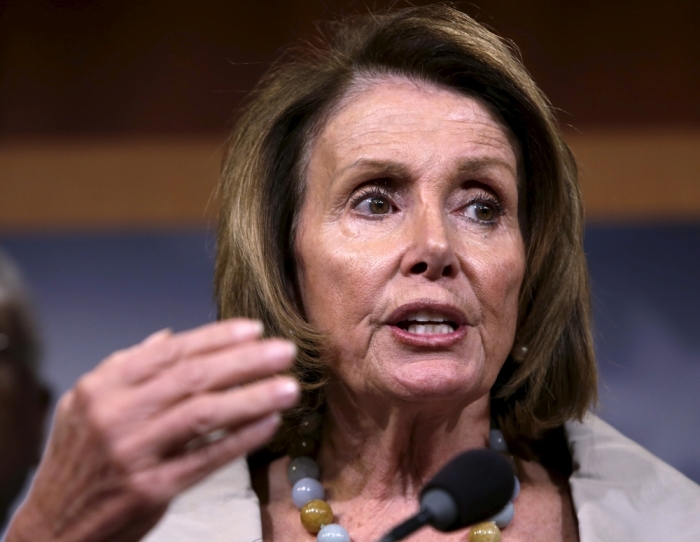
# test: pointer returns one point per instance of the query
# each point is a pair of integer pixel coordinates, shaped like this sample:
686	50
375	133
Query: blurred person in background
24	399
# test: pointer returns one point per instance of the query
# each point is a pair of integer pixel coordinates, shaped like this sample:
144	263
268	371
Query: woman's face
409	252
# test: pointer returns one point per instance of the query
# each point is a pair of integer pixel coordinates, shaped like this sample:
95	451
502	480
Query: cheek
498	286
340	280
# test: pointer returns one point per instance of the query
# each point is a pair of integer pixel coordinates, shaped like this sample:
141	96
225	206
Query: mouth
428	324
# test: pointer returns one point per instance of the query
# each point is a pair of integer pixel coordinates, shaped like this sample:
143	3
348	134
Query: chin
436	380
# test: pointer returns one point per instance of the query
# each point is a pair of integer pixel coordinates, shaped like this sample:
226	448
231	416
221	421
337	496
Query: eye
373	202
482	211
378	205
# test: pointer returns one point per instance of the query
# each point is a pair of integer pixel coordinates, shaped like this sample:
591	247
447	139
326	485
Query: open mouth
427	323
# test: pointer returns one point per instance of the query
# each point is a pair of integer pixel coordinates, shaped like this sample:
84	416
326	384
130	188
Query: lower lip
429	340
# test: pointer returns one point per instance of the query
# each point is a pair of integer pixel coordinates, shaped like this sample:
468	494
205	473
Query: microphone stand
412	524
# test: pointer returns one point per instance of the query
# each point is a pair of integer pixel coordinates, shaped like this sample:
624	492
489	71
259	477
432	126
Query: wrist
26	526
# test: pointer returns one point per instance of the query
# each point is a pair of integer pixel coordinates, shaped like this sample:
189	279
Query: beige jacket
621	492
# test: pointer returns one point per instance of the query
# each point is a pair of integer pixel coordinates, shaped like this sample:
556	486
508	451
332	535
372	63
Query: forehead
389	117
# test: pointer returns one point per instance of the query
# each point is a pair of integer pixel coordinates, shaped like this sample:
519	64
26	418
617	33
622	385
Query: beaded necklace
316	514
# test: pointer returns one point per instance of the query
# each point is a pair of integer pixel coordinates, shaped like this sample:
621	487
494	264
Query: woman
401	209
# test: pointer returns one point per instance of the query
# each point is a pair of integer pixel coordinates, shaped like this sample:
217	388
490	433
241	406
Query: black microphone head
481	483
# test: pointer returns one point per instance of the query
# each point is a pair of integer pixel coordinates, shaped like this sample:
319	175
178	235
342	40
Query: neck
388	448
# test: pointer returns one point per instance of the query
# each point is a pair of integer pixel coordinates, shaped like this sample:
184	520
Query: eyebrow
474	165
389	168
394	169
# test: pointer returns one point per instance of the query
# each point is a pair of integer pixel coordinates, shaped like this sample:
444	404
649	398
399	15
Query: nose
430	252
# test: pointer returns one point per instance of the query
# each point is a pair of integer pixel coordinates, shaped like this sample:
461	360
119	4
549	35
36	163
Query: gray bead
516	488
305	490
302	467
332	533
505	516
496	441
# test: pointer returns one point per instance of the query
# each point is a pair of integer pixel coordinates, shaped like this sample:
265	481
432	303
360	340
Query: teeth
426	316
430	329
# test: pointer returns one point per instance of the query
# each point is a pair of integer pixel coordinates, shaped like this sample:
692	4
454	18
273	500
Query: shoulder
221	508
623	492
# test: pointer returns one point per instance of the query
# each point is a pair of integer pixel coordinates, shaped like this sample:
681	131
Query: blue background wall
99	293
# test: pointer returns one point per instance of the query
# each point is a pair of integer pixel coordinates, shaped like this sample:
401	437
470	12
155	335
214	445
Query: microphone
472	487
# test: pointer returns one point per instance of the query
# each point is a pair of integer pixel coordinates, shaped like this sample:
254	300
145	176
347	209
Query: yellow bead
485	532
315	514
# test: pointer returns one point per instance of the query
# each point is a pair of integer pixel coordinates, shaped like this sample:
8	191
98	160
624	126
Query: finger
176	474
148	358
217	335
223	369
202	414
158	336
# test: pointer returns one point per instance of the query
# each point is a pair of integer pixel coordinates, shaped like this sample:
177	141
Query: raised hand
149	422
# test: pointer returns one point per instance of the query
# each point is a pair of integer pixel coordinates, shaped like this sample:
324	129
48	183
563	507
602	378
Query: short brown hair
262	190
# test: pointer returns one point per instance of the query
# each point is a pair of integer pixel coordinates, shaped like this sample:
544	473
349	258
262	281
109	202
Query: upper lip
454	314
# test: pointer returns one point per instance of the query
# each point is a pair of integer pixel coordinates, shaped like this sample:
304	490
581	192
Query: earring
519	352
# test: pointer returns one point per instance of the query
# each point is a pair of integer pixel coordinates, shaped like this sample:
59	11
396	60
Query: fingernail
281	349
248	327
158	335
273	420
288	390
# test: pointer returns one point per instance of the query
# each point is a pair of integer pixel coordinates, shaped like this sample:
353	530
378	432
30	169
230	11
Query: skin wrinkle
373	140
395	412
366	81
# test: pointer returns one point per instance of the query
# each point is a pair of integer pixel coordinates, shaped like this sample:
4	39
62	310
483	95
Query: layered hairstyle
262	189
